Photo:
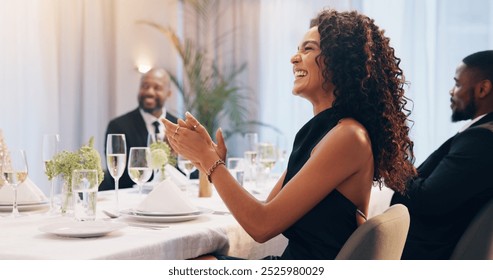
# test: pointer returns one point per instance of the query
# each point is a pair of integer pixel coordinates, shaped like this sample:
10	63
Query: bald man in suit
155	89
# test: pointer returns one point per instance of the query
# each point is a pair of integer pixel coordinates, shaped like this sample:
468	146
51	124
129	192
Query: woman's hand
192	123
190	139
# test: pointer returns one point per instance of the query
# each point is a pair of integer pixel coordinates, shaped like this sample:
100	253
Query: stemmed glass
116	158
267	156
151	138
250	154
187	167
14	171
50	149
139	165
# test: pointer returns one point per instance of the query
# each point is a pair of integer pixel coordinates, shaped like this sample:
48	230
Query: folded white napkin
166	198
27	192
176	176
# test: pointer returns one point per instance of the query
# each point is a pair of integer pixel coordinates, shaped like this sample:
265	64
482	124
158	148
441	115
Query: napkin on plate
176	176
27	192
166	198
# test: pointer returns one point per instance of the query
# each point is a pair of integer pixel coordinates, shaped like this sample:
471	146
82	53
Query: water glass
50	149
236	168
85	190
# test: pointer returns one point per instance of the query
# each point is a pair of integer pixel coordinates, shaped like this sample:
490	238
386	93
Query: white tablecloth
22	239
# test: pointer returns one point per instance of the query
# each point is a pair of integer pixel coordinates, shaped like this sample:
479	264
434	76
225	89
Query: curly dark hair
369	87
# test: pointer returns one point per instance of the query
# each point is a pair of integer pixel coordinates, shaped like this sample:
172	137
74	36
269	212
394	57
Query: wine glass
139	165
50	149
151	138
187	167
250	154
267	154
14	171
116	157
267	157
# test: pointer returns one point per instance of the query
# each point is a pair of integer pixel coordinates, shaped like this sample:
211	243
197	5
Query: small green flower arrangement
64	163
160	156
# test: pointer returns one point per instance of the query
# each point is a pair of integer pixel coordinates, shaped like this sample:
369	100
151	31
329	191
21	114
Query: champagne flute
139	165
187	167
14	171
250	154
116	157
50	149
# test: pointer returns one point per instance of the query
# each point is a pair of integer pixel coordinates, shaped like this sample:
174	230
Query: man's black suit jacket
133	126
452	185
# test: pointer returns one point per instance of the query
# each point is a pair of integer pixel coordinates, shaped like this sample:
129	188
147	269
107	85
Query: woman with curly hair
347	70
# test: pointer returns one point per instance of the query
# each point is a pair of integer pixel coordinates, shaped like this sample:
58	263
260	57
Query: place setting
83	223
166	203
17	192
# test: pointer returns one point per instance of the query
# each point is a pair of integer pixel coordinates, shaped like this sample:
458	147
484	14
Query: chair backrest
477	241
380	238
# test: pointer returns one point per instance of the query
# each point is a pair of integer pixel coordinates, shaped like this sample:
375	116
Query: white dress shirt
467	125
149	119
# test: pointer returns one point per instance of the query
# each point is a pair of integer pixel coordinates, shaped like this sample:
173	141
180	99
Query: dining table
214	230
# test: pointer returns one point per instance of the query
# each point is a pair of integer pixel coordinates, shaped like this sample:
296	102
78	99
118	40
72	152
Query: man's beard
149	110
468	112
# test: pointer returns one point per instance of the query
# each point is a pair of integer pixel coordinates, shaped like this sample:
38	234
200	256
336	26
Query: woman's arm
338	156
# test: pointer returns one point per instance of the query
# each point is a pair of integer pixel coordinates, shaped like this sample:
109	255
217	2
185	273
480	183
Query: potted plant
209	92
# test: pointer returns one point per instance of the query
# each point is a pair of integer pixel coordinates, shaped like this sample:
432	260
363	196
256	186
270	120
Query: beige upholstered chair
380	238
477	241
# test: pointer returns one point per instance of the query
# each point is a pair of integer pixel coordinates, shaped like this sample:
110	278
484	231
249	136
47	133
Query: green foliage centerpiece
160	156
64	163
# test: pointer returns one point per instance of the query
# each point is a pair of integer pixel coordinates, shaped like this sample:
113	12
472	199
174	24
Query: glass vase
66	199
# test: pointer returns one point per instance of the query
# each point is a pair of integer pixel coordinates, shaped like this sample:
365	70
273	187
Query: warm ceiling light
143	68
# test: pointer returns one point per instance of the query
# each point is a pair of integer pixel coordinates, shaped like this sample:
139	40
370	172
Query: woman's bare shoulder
349	129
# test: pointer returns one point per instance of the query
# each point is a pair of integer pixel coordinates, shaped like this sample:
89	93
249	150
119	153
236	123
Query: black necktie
156	128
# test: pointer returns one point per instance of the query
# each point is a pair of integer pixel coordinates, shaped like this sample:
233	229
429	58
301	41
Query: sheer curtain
54	74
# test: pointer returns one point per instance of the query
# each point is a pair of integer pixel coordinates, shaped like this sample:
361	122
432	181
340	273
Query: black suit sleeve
465	172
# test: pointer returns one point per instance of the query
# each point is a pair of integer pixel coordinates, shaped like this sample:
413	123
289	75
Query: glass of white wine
267	154
250	154
116	159
139	166
50	149
14	171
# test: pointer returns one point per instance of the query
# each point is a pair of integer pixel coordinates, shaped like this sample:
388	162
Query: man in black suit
155	89
456	180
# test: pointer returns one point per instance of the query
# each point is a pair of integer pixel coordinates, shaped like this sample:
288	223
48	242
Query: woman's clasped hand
191	140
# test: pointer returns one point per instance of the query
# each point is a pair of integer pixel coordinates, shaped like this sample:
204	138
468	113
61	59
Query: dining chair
380	238
477	241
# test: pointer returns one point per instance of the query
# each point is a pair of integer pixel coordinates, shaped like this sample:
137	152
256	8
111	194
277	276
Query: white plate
167	219
146	213
31	206
82	229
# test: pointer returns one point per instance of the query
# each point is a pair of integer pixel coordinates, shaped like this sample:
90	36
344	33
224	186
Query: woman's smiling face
307	73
